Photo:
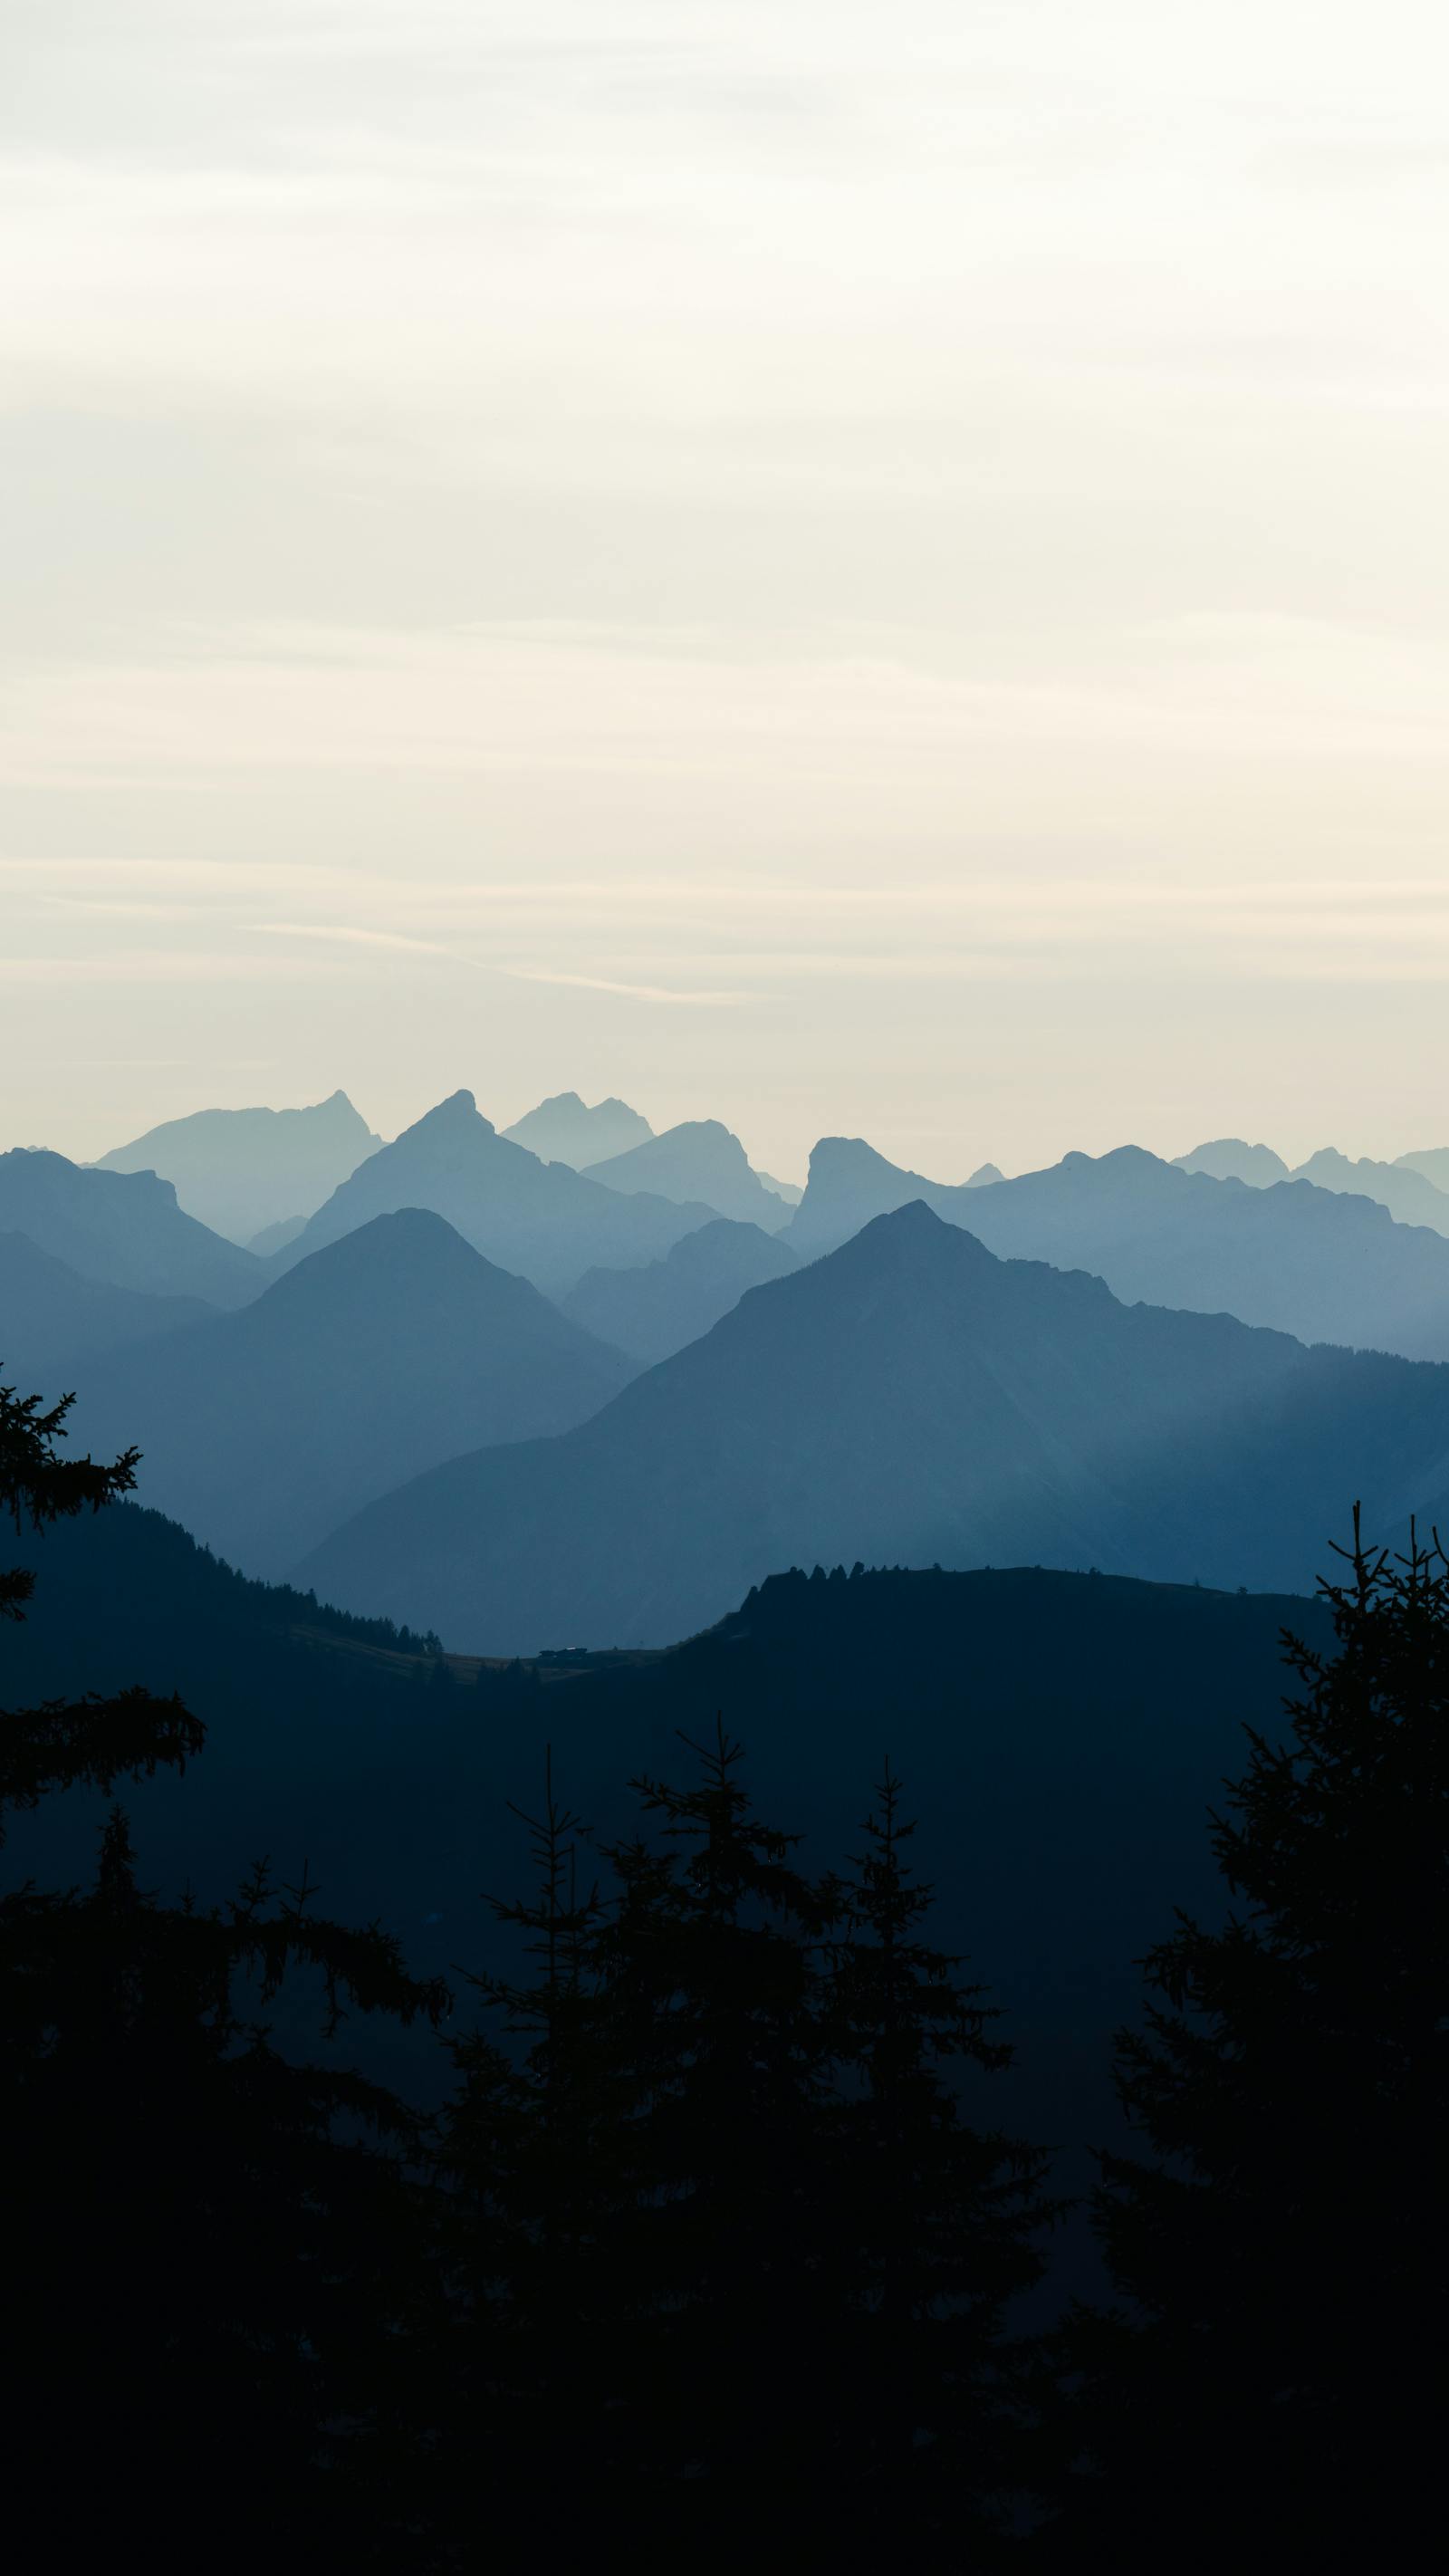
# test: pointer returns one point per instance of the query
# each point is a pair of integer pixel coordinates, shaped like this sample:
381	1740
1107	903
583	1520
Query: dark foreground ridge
735	2188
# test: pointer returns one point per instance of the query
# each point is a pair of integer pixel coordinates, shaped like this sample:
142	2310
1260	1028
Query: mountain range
908	1399
565	1130
1321	1265
242	1170
1061	1737
652	1312
1414	1189
699	1160
378	1356
545	1221
1410	1196
54	1323
122	1227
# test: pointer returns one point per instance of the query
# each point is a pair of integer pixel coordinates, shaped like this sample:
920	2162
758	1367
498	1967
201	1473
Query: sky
853	569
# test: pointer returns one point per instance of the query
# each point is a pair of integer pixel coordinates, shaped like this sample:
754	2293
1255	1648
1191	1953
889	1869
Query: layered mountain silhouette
543	1220
654	1311
273	1238
566	1130
792	1192
380	1355
698	1160
984	1175
1433	1163
909	1399
1229	1159
124	1227
242	1169
1316	1263
1410	1196
1060	1735
53	1322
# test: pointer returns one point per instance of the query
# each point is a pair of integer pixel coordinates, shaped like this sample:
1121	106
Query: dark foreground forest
706	2238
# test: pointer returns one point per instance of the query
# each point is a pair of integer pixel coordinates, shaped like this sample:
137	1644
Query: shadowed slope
125	1227
53	1322
376	1358
907	1400
653	1312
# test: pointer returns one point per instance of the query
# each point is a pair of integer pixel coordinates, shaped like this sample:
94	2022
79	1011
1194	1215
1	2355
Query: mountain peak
456	1116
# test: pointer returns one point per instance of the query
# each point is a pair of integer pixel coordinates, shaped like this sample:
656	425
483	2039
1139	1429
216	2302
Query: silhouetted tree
942	2221
210	2274
1275	2369
711	1966
535	2151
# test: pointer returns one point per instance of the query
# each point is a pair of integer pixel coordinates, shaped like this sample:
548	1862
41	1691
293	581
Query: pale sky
868	569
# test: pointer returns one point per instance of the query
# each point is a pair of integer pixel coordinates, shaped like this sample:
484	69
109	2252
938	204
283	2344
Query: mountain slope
698	1160
653	1312
53	1321
1410	1196
125	1227
542	1220
907	1400
1315	1263
376	1358
849	1184
1229	1159
1433	1163
239	1170
566	1130
1060	1737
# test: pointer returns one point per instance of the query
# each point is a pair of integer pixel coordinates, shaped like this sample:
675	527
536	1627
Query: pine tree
535	2153
210	2278
712	1968
942	2220
1282	2260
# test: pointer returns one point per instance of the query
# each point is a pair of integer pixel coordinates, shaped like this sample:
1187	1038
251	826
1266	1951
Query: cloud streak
629	992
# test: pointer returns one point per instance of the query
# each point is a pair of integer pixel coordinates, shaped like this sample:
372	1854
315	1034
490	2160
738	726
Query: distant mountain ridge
654	1311
240	1170
1432	1163
1315	1263
1228	1158
907	1399
544	1221
54	1322
123	1227
698	1160
383	1353
1410	1196
566	1130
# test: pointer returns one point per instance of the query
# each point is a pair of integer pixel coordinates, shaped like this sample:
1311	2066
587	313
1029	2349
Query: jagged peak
458	1113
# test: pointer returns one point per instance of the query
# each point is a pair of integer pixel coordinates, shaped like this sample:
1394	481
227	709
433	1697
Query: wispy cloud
632	992
350	934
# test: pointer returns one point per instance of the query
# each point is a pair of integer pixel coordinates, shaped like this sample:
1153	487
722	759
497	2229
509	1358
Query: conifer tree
1275	2367
534	2151
210	2281
943	2219
712	1968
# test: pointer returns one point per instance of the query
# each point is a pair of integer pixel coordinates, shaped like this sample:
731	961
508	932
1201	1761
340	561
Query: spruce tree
1274	2368
712	1967
942	2220
534	2151
210	2257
